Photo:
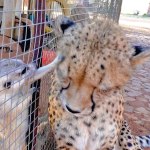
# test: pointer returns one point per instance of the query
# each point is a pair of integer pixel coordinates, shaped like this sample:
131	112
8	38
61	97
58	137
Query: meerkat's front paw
42	128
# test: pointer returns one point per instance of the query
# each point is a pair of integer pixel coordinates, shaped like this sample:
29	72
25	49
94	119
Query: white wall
130	6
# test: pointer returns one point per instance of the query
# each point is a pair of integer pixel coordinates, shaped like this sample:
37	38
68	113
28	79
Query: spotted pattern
86	112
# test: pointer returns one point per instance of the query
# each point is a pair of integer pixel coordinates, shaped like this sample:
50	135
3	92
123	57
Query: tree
117	10
110	8
148	12
86	3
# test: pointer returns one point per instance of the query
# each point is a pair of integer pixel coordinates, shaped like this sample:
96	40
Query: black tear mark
93	103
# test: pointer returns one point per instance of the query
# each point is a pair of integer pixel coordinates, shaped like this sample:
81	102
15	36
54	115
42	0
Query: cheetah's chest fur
100	129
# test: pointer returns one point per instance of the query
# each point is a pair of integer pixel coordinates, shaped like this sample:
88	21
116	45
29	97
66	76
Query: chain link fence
28	35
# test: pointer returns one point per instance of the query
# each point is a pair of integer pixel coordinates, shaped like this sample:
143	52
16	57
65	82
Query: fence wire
28	35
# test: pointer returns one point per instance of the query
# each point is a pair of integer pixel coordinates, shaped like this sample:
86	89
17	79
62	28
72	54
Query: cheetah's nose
72	111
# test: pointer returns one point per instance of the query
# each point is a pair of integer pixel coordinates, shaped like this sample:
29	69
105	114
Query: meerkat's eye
7	85
24	70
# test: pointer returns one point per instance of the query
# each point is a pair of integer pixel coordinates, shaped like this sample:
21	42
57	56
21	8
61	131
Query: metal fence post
39	22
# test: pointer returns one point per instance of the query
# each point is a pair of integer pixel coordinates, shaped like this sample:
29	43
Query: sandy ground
137	91
135	22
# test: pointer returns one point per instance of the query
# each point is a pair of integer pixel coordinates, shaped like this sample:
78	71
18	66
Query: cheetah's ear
140	58
66	23
61	24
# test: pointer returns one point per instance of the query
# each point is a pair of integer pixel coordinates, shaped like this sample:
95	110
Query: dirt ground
137	91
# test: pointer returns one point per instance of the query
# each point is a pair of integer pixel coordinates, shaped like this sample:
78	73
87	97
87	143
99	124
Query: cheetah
86	102
15	95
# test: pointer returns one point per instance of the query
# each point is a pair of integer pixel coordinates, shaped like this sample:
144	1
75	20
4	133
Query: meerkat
15	95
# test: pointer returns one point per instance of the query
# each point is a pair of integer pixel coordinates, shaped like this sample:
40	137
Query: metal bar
38	42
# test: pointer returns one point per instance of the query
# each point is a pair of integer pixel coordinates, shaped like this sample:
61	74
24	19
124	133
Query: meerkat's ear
140	57
42	71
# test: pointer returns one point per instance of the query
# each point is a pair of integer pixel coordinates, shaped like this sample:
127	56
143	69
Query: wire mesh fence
28	34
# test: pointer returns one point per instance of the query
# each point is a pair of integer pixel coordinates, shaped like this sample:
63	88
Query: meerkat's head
14	73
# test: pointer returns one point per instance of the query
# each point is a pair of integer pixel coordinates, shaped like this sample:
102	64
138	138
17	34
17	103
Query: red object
47	56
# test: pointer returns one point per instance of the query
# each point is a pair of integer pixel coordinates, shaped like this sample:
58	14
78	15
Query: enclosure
28	34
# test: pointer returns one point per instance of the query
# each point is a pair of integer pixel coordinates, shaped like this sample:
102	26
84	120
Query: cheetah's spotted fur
88	89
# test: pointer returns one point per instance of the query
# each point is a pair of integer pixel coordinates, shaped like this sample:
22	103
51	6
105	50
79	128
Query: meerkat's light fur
15	94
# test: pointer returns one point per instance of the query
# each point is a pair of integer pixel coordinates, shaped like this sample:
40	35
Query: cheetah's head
98	59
